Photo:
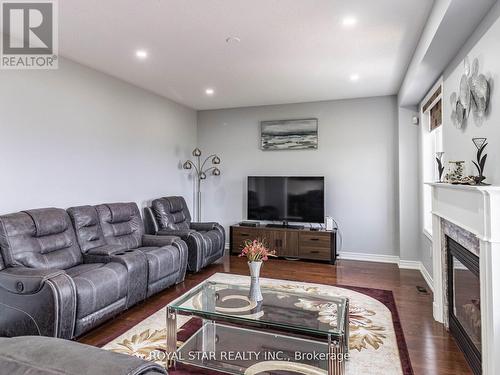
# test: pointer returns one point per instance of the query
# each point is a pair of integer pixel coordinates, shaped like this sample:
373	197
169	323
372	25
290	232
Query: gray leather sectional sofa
63	273
169	216
36	355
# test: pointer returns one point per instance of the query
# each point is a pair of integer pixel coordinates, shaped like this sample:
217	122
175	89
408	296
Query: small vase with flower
256	252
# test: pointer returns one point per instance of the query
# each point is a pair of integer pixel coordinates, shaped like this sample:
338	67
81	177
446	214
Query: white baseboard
409	264
427	276
369	257
402	264
418	265
394	259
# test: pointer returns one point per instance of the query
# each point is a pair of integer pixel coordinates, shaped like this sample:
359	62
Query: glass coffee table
287	332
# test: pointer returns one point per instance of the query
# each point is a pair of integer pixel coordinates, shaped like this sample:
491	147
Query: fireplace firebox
464	311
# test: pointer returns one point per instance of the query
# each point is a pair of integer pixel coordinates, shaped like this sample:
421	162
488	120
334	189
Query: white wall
357	155
457	143
408	184
76	136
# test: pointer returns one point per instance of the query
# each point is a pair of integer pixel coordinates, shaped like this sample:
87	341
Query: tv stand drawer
315	240
241	235
316	253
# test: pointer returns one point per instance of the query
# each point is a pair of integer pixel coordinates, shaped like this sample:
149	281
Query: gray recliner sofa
46	288
169	216
37	355
55	283
116	229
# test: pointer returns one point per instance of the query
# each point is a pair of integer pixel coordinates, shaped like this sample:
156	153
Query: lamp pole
201	173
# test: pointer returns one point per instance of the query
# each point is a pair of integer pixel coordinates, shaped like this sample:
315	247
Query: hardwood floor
432	350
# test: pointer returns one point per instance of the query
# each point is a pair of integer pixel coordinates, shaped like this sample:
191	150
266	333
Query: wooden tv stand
288	242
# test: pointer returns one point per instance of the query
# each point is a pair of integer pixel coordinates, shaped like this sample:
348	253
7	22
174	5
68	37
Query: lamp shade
196	152
215	160
187	165
216	172
203	176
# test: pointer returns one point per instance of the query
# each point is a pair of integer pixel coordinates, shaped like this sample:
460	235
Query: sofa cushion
121	224
88	229
98	286
177	204
41	238
48	221
171	213
120	212
179	217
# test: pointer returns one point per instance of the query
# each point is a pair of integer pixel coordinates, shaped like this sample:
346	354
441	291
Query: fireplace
470	216
464	301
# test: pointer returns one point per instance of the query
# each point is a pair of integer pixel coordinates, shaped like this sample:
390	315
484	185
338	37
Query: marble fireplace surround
470	215
464	238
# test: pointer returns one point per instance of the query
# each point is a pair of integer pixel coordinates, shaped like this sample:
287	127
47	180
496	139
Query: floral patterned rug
376	341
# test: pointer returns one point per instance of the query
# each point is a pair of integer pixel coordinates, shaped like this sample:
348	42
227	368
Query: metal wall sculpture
473	96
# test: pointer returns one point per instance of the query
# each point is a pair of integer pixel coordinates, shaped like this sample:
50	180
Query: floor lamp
201	173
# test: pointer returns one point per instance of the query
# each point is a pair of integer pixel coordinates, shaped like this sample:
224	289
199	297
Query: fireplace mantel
474	208
477	210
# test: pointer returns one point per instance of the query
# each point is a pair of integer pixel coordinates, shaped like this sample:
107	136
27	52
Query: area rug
376	341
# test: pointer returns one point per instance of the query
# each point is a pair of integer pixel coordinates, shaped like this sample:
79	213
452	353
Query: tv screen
294	199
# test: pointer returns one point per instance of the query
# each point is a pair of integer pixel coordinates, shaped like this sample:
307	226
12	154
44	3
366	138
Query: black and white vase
255	293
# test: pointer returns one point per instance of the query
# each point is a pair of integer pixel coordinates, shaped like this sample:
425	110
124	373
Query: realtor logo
29	34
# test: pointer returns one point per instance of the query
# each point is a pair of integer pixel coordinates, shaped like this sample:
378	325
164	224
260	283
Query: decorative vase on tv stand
256	253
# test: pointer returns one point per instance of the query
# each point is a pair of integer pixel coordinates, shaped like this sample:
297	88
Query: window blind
435	110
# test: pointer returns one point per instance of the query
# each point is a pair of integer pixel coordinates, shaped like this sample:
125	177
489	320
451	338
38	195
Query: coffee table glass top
282	309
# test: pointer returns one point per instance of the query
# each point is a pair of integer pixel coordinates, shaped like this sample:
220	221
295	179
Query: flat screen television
287	199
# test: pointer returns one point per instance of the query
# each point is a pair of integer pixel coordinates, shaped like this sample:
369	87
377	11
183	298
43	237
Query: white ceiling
290	50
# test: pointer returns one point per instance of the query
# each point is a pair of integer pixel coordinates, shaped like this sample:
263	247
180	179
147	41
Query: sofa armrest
204	226
23	280
183	233
158	241
37	302
105	250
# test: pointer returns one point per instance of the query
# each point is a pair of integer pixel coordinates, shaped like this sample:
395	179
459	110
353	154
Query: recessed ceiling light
349	21
233	39
141	54
354	77
209	91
